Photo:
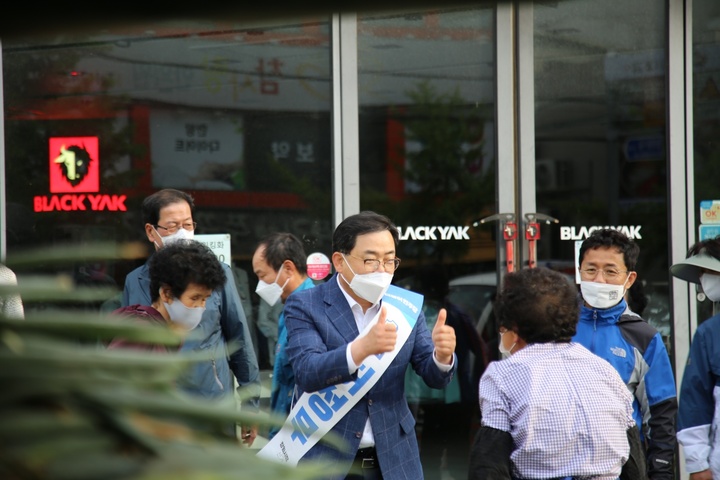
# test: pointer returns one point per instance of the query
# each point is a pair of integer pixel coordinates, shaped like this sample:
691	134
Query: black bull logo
74	162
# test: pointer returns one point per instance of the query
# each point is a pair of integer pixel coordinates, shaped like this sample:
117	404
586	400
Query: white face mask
602	295
181	234
186	317
370	286
271	292
711	286
501	347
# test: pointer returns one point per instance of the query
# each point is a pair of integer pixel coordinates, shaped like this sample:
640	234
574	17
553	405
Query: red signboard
74	164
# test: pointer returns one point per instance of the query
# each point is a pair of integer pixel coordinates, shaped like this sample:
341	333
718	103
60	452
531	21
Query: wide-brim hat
691	268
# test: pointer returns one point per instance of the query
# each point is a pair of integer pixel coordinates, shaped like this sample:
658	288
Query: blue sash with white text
315	414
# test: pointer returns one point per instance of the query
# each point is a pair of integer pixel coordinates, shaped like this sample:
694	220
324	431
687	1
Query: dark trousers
365	466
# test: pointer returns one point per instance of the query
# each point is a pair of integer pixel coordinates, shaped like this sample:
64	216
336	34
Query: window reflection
600	130
706	108
238	115
427	154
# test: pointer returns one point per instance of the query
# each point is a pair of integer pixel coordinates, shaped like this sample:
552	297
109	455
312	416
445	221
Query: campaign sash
316	413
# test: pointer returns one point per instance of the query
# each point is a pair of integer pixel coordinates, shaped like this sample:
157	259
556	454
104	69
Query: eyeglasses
607	273
372	264
173	227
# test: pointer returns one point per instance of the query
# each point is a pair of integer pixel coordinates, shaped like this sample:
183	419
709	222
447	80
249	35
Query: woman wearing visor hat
698	410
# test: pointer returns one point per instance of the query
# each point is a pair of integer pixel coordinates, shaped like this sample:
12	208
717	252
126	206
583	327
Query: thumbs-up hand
380	339
382	336
443	337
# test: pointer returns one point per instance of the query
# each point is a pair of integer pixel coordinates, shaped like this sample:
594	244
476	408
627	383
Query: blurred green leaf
67	254
72	409
83	325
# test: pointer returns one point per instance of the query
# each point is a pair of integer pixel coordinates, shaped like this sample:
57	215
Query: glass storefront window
427	160
706	118
600	108
236	115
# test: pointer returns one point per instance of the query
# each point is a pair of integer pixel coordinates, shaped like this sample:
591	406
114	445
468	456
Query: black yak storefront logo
74	165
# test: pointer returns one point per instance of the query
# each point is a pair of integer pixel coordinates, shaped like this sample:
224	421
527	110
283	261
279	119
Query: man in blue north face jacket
608	328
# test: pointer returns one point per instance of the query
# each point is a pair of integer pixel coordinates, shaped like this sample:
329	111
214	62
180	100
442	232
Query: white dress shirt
362	320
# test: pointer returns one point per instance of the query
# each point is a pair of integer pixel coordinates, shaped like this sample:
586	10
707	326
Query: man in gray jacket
223	329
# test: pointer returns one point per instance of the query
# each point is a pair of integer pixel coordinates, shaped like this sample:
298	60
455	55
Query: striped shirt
567	410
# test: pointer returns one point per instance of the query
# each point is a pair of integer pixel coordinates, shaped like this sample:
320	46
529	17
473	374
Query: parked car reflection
475	294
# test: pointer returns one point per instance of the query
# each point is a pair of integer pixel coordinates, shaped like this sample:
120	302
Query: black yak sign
74	164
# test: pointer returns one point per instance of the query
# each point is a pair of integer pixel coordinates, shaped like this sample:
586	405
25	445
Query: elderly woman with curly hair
551	409
183	275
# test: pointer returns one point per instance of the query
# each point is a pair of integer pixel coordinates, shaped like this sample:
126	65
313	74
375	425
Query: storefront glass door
600	135
427	160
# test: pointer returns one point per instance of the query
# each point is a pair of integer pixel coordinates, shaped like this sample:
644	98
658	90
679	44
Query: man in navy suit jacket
324	348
